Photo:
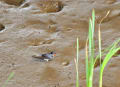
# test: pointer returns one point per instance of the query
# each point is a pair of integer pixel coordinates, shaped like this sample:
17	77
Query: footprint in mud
35	23
52	28
14	2
2	27
48	6
47	42
44	6
39	41
34	42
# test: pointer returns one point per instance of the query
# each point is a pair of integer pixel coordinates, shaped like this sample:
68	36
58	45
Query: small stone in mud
2	27
65	63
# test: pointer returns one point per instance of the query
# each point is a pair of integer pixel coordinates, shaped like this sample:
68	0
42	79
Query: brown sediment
39	26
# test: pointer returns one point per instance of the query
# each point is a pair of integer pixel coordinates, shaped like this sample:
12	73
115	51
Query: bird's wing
38	57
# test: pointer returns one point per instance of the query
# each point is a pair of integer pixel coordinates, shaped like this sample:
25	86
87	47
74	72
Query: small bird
45	57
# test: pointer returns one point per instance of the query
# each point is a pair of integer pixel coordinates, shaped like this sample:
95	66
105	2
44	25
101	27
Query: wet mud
33	27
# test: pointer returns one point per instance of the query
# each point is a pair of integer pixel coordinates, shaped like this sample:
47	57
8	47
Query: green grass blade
87	65
103	53
90	37
99	39
9	78
109	55
99	35
76	63
93	23
77	50
89	83
93	26
91	51
90	61
100	54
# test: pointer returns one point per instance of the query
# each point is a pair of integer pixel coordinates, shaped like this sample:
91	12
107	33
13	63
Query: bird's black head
52	52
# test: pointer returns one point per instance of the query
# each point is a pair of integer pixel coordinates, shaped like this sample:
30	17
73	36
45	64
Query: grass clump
90	53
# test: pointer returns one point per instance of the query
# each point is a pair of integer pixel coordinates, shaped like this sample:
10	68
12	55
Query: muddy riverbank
32	27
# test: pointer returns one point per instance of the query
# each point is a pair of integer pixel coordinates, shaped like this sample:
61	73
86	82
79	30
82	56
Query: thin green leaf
106	59
9	78
87	65
76	63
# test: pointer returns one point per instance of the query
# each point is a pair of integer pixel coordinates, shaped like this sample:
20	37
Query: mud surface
32	27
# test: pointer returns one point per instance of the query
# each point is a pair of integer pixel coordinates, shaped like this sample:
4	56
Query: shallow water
37	26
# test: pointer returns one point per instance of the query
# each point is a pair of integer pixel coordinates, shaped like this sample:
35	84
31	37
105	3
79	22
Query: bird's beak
54	54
